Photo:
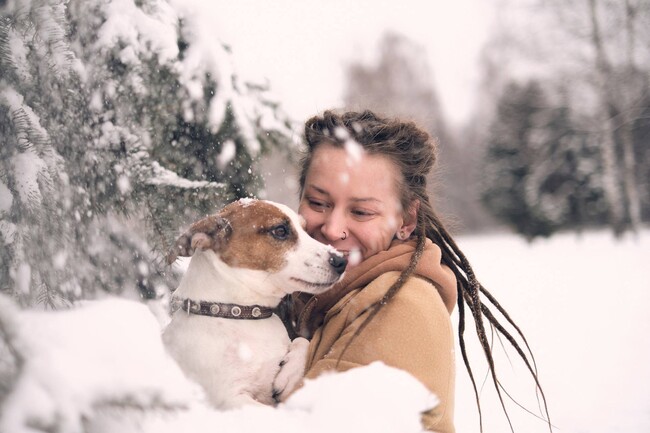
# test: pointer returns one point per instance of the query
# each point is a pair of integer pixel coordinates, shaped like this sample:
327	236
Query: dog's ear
211	232
182	247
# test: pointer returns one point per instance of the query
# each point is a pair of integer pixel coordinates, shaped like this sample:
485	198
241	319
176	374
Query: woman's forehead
365	175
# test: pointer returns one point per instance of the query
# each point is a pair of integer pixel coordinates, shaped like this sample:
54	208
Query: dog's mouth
314	285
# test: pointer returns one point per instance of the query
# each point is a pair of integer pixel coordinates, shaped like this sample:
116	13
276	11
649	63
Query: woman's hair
414	153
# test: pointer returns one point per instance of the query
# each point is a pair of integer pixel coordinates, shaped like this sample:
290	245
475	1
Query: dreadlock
414	153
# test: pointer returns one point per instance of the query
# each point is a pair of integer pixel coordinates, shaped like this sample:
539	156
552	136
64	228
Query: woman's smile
352	204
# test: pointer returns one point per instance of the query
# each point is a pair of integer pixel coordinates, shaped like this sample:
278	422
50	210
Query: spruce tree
113	114
540	171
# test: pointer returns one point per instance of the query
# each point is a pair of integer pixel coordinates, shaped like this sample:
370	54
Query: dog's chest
228	357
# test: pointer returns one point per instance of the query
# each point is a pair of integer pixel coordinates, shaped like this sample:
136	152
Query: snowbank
101	367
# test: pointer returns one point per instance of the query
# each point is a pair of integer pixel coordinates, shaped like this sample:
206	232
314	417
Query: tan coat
412	332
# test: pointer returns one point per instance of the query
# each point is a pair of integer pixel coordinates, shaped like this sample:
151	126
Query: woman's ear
410	220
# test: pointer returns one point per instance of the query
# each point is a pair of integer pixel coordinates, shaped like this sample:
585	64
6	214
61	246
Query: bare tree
587	54
401	84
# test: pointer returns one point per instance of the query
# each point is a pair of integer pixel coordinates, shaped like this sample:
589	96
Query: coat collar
310	310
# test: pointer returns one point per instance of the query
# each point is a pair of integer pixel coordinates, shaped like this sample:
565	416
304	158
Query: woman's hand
292	369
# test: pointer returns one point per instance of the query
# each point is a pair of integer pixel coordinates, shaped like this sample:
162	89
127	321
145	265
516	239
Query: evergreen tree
111	109
595	52
540	172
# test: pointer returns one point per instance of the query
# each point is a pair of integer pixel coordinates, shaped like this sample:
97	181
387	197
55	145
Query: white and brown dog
244	260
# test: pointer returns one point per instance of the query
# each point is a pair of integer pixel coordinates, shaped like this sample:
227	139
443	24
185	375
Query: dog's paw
292	369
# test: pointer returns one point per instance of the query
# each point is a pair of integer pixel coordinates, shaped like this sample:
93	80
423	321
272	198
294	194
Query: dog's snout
338	263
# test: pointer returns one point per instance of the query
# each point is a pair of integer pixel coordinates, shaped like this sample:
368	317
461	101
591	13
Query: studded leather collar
218	309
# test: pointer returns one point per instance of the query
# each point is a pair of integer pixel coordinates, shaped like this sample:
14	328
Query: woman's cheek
312	220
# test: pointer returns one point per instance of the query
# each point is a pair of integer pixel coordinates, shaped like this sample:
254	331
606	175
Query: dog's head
267	239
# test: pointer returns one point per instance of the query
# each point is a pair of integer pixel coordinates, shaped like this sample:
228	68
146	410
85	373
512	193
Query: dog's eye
280	232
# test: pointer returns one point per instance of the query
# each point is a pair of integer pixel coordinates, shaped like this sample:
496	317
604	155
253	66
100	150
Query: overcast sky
302	46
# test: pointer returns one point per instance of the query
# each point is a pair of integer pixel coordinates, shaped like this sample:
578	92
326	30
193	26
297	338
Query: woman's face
353	192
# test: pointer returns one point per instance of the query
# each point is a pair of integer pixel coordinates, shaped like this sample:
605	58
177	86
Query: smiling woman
351	203
364	192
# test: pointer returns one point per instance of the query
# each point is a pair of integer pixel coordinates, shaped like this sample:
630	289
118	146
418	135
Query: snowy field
580	300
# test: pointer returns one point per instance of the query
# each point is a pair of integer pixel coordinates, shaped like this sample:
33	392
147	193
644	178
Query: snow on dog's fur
253	252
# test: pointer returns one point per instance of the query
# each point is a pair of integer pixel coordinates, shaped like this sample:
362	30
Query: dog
244	259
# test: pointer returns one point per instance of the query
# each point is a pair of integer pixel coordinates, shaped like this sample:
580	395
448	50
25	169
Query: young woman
363	185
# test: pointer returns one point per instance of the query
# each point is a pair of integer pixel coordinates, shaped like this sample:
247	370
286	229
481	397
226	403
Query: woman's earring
345	236
401	236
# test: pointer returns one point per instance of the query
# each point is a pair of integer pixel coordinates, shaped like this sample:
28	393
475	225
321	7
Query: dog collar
226	311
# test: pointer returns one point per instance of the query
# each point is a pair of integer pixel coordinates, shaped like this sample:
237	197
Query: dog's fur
251	253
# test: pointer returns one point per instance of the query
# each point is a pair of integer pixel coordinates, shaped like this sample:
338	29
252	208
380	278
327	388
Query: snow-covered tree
540	173
111	109
589	56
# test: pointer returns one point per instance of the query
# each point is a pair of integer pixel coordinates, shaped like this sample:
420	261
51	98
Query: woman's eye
280	232
317	205
362	214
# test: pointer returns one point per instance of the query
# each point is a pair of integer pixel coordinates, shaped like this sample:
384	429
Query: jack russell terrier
224	334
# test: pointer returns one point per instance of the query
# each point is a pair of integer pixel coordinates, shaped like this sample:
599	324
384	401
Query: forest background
123	121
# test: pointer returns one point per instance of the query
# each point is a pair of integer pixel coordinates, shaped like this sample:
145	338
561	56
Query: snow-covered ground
102	368
580	301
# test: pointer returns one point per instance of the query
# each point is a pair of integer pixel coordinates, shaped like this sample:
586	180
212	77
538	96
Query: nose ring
345	236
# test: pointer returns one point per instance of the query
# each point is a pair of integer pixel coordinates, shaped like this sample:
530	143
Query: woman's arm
412	332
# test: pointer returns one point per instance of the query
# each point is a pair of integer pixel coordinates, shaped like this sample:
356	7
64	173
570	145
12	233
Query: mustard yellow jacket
412	332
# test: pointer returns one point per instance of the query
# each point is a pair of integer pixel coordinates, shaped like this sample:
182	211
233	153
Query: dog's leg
240	400
292	369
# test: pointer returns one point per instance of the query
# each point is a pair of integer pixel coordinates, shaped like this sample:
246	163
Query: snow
355	256
74	361
23	277
354	151
51	32
60	259
246	201
30	167
208	55
228	152
19	54
123	184
580	300
102	367
147	33
8	232
6	199
162	176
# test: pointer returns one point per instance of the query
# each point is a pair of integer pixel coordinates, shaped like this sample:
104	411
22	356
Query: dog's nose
338	263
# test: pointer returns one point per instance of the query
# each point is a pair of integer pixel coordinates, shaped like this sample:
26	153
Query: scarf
309	310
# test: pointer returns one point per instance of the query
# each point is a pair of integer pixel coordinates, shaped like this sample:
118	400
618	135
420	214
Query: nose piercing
345	236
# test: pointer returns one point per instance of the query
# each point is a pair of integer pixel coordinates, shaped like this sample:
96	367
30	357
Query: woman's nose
334	226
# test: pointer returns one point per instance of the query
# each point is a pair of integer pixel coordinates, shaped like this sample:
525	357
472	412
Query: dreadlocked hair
414	153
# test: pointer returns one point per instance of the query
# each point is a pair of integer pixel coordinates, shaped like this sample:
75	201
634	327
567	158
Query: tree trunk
630	113
629	175
611	185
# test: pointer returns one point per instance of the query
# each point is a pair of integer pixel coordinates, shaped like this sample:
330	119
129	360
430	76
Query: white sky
302	46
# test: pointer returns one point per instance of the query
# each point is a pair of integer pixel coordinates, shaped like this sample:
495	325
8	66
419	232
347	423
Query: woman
364	191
